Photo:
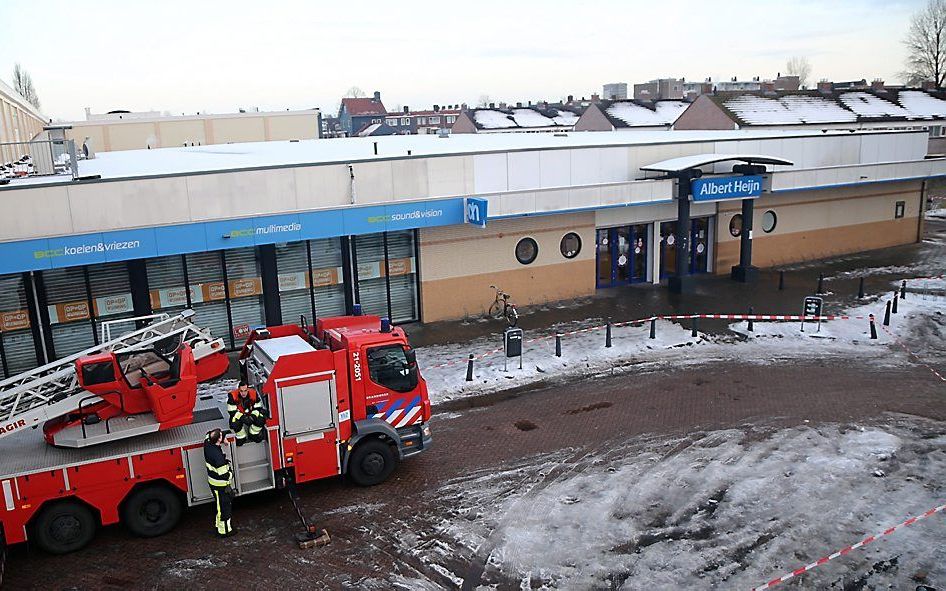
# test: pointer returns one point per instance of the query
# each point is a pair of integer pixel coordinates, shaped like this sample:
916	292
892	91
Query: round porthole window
571	245
735	225
526	251
769	221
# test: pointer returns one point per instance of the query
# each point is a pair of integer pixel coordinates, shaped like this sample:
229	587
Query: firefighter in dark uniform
247	414
220	478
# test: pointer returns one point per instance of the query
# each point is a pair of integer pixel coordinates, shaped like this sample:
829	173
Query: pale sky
218	56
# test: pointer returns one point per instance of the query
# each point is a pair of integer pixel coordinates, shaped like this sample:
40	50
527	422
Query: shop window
17	352
735	225
570	245
166	284
899	209
526	251
208	295
67	304
769	221
245	287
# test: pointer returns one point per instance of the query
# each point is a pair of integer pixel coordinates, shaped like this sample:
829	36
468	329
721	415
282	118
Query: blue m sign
476	211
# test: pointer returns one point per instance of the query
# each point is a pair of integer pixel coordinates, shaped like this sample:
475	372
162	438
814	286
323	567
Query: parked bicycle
503	308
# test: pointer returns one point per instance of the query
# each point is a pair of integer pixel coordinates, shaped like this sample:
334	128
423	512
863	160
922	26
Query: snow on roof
523	117
922	104
228	157
635	115
788	110
868	105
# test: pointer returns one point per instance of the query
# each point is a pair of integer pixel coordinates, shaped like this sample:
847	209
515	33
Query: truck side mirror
411	357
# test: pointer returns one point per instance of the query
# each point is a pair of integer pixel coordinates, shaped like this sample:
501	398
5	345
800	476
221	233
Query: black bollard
607	335
895	298
693	329
873	328
860	289
903	289
653	328
469	369
781	280
750	319
887	314
820	283
558	344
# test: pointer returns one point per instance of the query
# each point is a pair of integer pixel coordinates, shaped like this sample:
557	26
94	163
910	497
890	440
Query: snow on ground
584	353
724	509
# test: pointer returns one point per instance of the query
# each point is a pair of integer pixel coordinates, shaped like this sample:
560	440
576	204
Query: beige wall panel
95	133
177	133
322	186
128	204
46	212
293	127
446	177
410	178
374	182
248	129
453	251
242	193
131	136
779	249
460	297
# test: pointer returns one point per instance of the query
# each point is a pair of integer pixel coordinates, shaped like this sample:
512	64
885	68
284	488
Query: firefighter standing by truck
220	478
247	414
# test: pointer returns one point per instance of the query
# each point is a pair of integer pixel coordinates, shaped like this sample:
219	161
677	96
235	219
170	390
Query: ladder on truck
53	390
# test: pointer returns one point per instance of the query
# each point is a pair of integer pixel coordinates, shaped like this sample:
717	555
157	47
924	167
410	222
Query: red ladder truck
344	396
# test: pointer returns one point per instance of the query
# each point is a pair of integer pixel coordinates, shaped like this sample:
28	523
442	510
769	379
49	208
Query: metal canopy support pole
744	271
680	281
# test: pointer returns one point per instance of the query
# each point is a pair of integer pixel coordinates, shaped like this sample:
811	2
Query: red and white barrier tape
772	317
912	354
848	549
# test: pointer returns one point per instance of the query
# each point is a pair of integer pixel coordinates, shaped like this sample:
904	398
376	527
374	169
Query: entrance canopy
688	162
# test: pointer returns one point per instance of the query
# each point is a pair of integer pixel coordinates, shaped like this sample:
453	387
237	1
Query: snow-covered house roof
838	107
631	114
521	119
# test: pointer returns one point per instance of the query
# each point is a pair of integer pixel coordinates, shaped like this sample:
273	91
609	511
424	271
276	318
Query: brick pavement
579	415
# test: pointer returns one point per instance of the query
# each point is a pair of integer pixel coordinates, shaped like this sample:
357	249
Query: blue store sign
476	211
102	247
728	187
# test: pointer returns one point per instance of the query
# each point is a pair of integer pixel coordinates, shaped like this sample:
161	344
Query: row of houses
367	116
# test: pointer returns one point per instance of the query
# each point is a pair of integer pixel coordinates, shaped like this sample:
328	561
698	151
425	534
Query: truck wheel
371	463
64	527
151	511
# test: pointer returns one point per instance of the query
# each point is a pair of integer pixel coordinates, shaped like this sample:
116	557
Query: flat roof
276	154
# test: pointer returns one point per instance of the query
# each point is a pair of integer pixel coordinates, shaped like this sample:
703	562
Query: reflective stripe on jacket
219	475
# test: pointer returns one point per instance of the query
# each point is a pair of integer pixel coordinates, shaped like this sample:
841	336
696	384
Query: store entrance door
621	255
699	247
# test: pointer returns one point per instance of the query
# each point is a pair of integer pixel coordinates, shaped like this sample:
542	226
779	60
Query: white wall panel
236	194
374	182
553	200
410	178
445	177
585	166
322	186
871	149
490	173
614	165
582	198
555	168
523	170
37	212
115	206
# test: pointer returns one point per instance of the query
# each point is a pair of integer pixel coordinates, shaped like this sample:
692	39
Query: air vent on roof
560	134
293	141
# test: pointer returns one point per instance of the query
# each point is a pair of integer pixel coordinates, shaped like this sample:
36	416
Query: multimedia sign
727	187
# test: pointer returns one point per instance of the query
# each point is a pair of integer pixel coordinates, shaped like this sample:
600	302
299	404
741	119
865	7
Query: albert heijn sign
726	187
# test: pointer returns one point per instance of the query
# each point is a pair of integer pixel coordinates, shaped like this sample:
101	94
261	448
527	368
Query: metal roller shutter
292	265
17	338
111	295
166	284
67	303
205	273
403	276
246	292
372	289
327	278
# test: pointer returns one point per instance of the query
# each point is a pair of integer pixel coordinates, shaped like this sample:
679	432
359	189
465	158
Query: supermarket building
417	228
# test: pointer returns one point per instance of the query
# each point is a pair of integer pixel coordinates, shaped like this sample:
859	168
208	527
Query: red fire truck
344	396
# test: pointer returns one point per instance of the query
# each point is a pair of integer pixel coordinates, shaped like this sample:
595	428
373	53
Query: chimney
492	105
519	105
571	98
502	105
877	84
377	95
407	109
825	86
928	85
436	108
595	98
88	113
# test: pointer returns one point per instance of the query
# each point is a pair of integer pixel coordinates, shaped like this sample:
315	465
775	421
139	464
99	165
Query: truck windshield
388	367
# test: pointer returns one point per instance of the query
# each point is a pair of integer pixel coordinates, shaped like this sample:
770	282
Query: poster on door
114	304
326	277
292	281
241	331
169	297
68	312
241	288
370	270
403	266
